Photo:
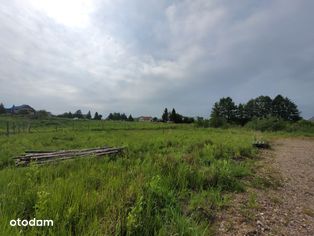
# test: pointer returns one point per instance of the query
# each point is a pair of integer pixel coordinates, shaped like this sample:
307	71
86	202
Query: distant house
145	118
21	110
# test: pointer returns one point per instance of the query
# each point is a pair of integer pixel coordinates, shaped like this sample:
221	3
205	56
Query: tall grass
170	180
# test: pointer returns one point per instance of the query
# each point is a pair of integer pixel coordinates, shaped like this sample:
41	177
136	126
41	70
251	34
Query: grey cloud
141	56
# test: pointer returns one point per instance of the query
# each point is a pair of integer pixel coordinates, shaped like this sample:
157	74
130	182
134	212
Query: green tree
225	109
130	118
187	120
172	115
284	108
66	115
88	115
175	117
2	109
263	106
278	107
216	118
117	116
123	117
165	115
78	114
42	114
97	116
292	110
241	115
179	118
260	107
110	116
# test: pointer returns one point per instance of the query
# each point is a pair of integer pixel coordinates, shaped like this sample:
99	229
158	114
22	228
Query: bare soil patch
281	199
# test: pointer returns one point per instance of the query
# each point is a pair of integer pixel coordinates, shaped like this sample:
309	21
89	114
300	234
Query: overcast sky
141	56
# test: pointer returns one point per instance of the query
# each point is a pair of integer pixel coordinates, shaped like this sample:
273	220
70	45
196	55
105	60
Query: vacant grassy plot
172	179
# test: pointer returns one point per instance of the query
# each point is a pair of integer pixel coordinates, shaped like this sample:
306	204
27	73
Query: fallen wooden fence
43	157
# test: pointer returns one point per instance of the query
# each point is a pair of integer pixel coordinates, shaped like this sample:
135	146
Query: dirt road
294	158
287	209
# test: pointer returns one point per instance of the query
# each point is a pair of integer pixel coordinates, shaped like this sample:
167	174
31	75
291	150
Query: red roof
146	117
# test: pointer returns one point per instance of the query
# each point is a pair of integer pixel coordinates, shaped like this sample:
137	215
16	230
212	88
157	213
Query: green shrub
267	124
217	122
201	123
301	126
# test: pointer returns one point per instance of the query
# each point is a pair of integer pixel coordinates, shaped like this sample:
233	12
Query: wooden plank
39	153
68	154
42	157
74	157
27	156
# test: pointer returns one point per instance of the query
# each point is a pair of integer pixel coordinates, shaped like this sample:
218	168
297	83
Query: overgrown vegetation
261	108
172	179
275	124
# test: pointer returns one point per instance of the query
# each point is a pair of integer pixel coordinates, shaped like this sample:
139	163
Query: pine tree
130	118
225	109
123	117
97	116
165	116
78	114
110	116
2	109
172	116
88	115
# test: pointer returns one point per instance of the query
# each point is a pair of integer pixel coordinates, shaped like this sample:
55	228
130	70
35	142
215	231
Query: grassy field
171	179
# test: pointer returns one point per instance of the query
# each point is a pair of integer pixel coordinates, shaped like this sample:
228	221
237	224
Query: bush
267	124
217	121
302	126
200	123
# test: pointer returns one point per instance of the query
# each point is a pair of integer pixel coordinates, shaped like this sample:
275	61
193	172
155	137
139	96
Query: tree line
226	111
112	116
79	115
119	116
175	117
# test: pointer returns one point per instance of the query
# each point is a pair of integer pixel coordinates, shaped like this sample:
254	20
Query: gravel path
284	210
295	160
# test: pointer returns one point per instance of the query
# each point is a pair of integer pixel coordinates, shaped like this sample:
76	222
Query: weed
169	181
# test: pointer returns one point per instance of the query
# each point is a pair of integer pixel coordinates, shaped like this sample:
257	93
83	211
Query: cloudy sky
140	56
